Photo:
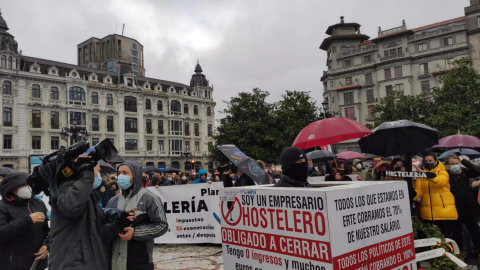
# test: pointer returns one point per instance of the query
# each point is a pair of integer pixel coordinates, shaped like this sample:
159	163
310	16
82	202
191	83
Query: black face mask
429	165
298	171
342	172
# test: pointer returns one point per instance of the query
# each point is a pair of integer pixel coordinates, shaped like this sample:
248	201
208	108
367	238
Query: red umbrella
458	141
349	155
330	131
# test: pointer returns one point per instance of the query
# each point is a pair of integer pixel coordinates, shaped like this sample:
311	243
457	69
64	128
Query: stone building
158	122
362	70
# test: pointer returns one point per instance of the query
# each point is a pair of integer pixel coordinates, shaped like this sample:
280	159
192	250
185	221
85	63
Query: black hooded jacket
286	181
465	198
20	238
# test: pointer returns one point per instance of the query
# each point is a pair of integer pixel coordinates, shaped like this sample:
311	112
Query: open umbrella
350	155
460	152
149	169
172	169
368	156
320	155
330	131
106	168
458	141
5	170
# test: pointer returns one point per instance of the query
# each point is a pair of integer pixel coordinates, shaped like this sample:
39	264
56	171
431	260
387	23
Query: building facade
362	70
157	122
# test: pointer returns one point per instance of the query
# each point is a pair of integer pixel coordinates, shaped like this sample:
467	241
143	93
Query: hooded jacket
137	253
20	237
199	179
437	202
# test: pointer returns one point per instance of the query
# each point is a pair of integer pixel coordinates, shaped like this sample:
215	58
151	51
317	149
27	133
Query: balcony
36	100
55	101
12	153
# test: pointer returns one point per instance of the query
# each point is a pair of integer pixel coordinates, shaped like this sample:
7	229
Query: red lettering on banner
271	211
307	220
388	259
264	221
296	221
321	221
292	246
246	216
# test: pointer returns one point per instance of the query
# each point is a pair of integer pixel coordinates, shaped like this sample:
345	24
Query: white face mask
184	177
24	192
359	166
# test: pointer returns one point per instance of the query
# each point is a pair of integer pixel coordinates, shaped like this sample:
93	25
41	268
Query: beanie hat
289	156
355	161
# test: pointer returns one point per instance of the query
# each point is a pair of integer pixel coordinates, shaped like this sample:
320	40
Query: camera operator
134	247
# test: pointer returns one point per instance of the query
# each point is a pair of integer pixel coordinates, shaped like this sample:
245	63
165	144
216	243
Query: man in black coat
23	226
294	168
465	199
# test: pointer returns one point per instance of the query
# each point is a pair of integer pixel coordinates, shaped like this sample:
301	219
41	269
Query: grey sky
241	44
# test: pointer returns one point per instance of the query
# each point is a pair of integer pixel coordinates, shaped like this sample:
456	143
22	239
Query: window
393	52
4	61
197	146
187	129
149	126
95	141
109	100
368	79
209	111
95	123
370	111
7	117
398	72
197	129
36	142
206	93
367	59
398	88
149	145
195	110
448	63
7	141
130	104
209	130
159	106
36	119
110	127
131	124
36	93
176	146
7	88
10	61
333	99
385	53
348	98
399	50
388	74
54	93
175	107
187	146
148	104
130	144
160	127
389	90
447	41
185	108
350	112
54	143
425	86
175	127
94	98
348	81
161	145
78	118
54	120
348	63
424	69
422	47
76	94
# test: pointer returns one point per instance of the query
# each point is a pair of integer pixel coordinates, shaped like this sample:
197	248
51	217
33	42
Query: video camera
60	165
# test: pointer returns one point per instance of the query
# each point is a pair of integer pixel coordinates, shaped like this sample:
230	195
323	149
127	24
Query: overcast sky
241	44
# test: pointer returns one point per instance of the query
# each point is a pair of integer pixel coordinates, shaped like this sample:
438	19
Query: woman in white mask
23	225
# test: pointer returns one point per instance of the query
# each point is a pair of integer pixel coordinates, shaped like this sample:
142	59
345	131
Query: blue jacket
199	179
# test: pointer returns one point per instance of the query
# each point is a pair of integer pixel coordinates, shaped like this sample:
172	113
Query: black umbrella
172	169
5	170
117	159
460	152
106	168
320	155
149	169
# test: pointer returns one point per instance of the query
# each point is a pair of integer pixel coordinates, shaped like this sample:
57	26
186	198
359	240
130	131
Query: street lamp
328	114
74	133
187	156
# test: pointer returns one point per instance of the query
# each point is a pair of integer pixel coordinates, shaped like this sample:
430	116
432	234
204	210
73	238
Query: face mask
429	165
456	168
298	171
124	181
342	172
170	179
24	193
397	168
184	177
358	166
208	178
97	182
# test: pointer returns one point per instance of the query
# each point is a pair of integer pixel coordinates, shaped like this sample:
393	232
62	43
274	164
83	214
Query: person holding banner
397	166
294	168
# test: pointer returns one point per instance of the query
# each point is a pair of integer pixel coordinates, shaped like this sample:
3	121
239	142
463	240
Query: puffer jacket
437	202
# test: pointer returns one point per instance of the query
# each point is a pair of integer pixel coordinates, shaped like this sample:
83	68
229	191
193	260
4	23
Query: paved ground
186	257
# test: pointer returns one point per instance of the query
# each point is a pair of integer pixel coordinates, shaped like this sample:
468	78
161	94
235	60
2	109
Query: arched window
109	100
10	61
130	104
36	93
94	98
4	61
175	106
209	111
76	94
54	93
195	110
185	108
148	104
206	93
159	106
176	164
7	88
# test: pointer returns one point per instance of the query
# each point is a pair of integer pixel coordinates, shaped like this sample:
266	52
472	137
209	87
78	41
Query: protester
23	225
370	174
134	247
465	200
437	204
338	172
183	180
193	175
294	168
379	171
313	170
397	166
361	171
235	174
112	189
278	173
271	171
202	177
99	187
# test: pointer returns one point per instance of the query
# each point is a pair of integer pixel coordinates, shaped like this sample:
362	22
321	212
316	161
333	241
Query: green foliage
261	129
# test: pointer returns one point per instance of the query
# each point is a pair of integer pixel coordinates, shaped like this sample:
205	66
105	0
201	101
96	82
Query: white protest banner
346	225
193	213
406	174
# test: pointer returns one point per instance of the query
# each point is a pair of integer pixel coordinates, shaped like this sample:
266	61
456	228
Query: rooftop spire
198	68
3	23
